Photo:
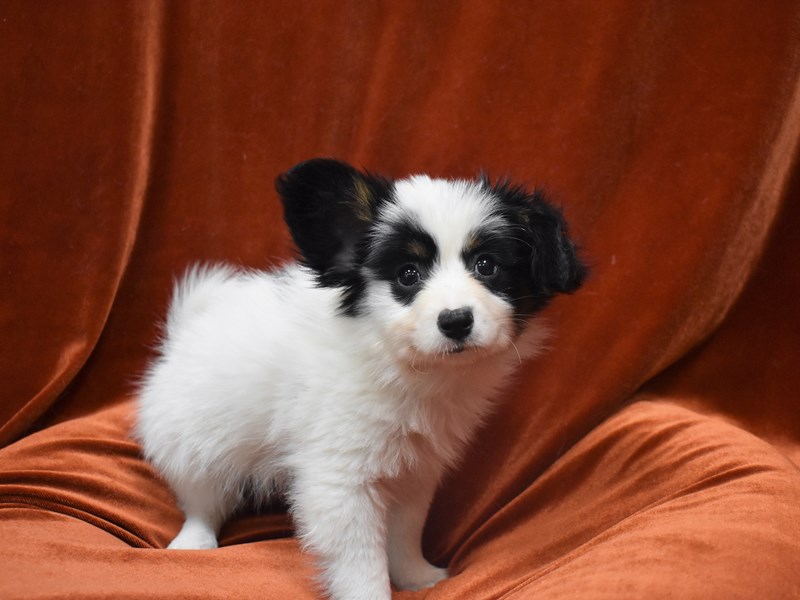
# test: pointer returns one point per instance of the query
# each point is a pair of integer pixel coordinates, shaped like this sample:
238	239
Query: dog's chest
432	442
403	451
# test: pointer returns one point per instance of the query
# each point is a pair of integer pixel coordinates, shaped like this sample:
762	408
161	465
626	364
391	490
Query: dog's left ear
329	207
556	267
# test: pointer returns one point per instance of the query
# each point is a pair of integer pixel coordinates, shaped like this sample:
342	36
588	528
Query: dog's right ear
329	207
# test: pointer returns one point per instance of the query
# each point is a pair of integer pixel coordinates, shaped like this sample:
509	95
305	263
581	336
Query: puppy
349	381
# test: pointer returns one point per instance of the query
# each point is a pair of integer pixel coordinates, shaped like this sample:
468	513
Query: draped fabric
653	451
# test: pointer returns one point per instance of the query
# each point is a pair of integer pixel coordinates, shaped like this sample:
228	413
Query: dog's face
444	268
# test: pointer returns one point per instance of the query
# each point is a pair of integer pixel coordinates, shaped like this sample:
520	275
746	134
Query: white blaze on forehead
451	213
447	210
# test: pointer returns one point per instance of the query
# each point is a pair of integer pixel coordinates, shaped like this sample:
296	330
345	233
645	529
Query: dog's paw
422	576
194	536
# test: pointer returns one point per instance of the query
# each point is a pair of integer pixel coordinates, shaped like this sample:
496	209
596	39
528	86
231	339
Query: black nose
456	324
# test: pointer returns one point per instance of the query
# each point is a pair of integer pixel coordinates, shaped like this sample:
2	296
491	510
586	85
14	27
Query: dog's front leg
408	569
344	527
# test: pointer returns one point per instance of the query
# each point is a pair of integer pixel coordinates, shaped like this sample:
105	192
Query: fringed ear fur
329	207
555	264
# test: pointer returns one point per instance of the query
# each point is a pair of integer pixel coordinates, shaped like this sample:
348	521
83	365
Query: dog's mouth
454	355
461	348
456	348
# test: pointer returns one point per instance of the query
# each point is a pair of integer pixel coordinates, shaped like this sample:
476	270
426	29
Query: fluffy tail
195	290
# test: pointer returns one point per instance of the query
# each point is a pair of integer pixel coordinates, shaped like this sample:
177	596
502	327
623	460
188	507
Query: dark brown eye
485	266
408	275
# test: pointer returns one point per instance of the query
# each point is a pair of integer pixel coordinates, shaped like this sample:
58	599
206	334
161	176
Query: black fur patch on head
329	207
393	255
550	263
331	210
499	246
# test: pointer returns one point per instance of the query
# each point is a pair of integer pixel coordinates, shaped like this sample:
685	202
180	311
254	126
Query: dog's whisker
413	367
519	357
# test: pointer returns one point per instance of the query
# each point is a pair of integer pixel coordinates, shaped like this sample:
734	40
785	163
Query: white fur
449	211
263	385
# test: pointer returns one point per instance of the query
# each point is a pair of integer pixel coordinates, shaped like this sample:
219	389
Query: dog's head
441	266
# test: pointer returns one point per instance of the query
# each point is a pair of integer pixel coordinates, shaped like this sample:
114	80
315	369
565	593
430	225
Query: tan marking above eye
417	249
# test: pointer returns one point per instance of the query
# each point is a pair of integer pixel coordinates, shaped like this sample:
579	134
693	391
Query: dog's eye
408	275
485	266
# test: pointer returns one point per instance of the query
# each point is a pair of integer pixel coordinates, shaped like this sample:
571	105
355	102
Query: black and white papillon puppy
349	381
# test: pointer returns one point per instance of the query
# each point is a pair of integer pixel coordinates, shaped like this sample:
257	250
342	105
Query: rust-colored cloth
652	453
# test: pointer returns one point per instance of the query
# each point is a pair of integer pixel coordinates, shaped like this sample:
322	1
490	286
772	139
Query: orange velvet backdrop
652	452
